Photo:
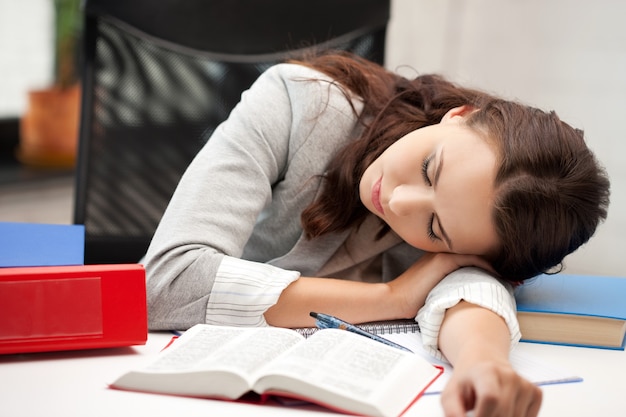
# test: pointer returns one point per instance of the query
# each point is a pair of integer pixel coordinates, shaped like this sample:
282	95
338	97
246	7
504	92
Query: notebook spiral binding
376	327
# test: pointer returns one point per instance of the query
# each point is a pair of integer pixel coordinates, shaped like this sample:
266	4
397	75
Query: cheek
408	161
416	237
365	186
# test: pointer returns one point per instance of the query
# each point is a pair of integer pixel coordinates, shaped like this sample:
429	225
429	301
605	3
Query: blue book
38	244
577	310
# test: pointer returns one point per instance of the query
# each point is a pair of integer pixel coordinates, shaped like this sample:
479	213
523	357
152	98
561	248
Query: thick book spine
72	307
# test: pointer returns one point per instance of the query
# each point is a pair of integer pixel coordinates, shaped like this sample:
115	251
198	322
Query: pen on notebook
325	321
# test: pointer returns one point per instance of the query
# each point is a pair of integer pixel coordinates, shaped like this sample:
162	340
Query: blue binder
38	244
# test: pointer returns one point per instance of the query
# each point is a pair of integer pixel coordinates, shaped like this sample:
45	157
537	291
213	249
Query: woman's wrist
409	291
479	353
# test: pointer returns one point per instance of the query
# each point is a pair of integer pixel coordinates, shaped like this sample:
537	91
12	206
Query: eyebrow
435	181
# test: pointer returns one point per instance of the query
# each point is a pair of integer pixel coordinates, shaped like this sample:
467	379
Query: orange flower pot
49	128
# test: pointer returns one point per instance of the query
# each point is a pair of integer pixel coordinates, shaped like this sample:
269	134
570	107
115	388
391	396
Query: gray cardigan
242	196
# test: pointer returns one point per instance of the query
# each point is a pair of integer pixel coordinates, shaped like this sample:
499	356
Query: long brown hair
551	193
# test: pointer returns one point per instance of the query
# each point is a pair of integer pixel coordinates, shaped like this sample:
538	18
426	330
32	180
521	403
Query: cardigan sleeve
244	290
198	245
474	286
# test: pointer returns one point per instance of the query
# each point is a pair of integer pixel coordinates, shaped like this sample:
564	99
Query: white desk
74	384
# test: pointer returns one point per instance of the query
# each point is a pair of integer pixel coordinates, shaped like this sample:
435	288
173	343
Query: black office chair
159	76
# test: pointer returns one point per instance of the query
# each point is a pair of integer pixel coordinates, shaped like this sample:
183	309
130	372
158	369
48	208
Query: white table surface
76	384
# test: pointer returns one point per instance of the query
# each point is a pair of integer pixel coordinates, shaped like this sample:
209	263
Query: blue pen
325	321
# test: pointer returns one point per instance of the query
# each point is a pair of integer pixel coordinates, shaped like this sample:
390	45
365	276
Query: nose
406	200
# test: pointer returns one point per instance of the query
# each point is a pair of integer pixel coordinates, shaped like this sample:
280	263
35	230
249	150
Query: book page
347	366
241	350
350	365
210	361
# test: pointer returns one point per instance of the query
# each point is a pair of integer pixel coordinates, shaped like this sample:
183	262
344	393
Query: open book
334	368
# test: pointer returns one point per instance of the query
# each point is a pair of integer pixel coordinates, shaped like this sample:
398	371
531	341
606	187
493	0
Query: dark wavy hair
551	192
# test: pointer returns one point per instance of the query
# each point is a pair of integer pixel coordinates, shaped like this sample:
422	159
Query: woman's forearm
476	341
356	302
470	333
360	302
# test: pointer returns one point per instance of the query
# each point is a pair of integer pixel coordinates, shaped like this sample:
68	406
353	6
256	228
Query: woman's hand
412	287
492	389
477	342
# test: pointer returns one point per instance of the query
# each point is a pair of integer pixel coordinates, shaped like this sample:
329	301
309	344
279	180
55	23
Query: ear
458	113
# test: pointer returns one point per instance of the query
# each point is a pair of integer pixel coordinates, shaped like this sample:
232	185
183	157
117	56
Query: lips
376	196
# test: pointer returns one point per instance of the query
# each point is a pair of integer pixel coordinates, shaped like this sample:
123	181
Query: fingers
491	391
529	401
457	399
477	261
451	261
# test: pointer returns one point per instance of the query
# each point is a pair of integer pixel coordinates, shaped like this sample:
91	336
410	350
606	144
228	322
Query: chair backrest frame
138	134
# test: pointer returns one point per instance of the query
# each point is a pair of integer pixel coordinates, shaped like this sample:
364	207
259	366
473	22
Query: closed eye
431	233
425	165
429	227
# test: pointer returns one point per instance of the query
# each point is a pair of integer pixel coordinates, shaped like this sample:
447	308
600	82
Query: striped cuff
474	286
244	290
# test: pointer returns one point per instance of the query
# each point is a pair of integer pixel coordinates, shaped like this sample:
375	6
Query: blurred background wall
566	55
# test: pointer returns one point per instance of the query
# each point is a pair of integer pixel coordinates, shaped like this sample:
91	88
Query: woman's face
434	188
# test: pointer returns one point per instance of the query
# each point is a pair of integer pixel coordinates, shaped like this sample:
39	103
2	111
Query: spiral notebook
407	333
381	328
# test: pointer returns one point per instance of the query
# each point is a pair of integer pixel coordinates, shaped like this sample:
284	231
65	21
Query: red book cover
52	308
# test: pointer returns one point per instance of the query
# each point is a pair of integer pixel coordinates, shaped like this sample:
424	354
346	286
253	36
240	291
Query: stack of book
50	300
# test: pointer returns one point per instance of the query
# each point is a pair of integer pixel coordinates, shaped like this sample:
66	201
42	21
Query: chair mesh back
148	107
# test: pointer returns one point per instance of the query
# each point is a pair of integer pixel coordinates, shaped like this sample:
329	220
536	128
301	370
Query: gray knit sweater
230	240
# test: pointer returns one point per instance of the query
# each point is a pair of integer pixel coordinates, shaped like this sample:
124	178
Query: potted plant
49	127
